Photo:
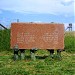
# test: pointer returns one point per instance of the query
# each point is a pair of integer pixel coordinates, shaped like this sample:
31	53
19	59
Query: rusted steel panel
37	35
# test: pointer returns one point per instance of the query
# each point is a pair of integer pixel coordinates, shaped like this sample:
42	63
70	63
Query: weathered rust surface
37	35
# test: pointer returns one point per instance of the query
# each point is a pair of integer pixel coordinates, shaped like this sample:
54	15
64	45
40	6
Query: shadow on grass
41	57
28	57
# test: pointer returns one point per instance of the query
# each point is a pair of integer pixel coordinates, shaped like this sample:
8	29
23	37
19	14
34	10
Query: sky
58	11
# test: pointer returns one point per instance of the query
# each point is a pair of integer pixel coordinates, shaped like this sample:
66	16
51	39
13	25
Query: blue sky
59	11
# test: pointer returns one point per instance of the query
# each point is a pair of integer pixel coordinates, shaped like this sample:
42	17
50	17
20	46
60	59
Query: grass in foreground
42	66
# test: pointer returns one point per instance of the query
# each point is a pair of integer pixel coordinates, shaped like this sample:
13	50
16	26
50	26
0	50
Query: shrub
70	42
4	40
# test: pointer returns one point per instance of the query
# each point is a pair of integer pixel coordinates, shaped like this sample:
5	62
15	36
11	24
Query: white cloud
67	1
39	6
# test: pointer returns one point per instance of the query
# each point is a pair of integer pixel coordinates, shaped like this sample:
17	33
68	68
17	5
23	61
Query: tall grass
4	40
69	42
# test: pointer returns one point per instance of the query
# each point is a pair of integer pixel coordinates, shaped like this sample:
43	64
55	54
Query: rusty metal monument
35	36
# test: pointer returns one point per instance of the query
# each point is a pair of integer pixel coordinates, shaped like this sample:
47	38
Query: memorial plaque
37	35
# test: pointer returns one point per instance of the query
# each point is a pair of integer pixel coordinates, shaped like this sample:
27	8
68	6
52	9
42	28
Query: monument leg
22	53
51	52
16	49
32	52
59	53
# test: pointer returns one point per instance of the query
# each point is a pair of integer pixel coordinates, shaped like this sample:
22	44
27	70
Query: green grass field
44	64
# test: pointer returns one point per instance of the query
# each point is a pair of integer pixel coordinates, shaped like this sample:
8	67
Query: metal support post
16	49
51	52
59	53
22	53
32	52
